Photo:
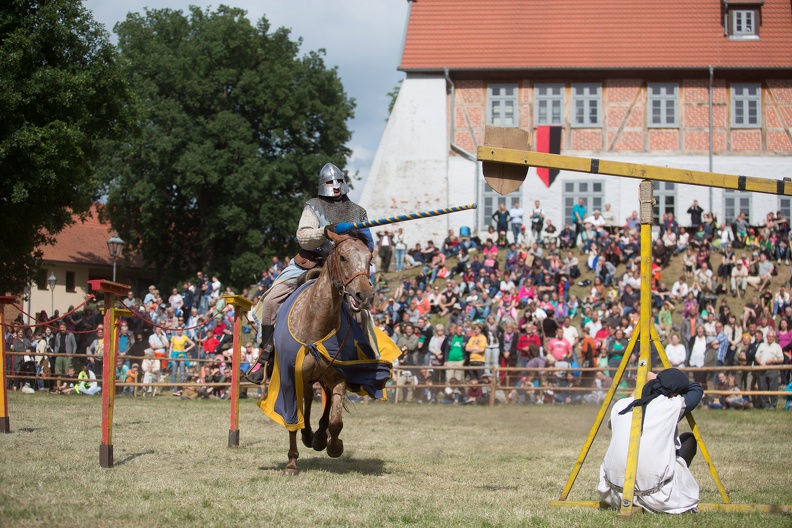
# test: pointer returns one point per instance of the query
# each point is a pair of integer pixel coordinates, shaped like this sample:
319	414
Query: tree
234	130
61	91
393	94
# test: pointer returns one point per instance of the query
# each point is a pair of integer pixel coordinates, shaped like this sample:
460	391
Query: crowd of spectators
519	295
187	337
535	298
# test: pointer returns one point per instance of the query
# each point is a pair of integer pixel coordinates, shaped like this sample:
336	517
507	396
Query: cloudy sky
362	37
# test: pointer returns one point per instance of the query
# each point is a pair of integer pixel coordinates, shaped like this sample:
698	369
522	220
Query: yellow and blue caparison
366	368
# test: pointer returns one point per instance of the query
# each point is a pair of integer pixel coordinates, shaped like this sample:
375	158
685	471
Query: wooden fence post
5	424
110	290
241	305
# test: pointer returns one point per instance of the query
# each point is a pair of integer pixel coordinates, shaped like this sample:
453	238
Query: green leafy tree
61	91
393	94
235	128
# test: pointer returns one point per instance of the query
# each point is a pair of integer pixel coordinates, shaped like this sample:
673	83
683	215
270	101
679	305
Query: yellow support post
495	156
617	376
693	426
644	357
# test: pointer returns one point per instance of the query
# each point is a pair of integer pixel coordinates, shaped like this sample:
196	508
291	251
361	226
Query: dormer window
742	19
743	23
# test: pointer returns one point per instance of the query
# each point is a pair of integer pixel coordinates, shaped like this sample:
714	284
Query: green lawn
404	465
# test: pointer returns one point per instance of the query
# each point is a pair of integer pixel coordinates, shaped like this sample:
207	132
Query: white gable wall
410	169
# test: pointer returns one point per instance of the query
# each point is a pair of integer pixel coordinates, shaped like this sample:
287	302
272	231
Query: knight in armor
331	209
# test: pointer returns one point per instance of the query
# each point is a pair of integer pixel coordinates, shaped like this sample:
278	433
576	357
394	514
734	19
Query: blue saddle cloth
357	361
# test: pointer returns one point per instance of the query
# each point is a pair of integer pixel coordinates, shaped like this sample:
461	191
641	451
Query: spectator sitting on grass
447	300
131	377
68	383
87	384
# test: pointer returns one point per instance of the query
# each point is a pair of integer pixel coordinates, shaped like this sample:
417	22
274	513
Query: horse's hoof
335	451
319	443
307	438
290	472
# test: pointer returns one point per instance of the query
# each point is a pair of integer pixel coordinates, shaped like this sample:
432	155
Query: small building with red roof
80	254
703	85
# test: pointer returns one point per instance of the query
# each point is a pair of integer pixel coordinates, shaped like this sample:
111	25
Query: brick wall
624	119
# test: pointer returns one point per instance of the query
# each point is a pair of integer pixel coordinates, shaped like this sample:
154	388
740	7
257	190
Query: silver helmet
331	173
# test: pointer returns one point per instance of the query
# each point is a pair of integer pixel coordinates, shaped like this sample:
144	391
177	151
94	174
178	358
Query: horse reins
338	281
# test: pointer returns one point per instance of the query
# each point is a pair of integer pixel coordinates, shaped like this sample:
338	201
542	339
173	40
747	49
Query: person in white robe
663	483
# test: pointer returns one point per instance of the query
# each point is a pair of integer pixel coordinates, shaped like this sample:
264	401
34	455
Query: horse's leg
320	436
335	447
291	467
307	432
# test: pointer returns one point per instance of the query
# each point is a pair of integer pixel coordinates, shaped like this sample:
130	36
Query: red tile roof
528	34
84	243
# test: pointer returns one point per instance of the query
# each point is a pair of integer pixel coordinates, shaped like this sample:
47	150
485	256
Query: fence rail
493	385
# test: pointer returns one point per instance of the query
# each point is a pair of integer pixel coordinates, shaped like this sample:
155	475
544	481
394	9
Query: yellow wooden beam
693	425
703	506
238	300
633	170
617	376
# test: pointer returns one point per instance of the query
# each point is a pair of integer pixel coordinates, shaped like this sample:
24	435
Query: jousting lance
413	216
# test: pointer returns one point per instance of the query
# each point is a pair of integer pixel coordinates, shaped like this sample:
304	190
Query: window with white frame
665	199
746	105
734	203
586	104
592	192
548	104
663	105
502	105
491	201
785	206
743	24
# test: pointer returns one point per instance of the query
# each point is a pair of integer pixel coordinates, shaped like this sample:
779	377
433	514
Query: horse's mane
356	233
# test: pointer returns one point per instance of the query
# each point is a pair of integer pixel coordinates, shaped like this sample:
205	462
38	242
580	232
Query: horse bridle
339	283
337	275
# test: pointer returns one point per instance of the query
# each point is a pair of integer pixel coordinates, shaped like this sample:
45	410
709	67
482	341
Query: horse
313	316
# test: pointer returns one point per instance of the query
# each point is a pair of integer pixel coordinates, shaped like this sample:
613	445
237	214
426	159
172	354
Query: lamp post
51	280
114	246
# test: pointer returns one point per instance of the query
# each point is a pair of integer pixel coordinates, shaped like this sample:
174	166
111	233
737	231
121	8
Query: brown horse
317	313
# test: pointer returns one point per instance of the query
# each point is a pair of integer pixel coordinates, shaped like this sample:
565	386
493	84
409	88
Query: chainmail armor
330	211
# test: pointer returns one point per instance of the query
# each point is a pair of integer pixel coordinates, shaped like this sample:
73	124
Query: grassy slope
670	275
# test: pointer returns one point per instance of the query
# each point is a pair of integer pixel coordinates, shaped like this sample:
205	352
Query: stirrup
256	372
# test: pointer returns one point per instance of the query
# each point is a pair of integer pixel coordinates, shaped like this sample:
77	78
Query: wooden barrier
241	305
5	421
110	290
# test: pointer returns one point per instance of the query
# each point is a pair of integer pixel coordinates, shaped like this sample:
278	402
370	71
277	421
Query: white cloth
663	482
698	352
676	354
516	214
679	290
596	221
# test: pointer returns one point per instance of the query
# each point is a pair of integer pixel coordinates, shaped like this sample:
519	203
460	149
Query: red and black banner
548	140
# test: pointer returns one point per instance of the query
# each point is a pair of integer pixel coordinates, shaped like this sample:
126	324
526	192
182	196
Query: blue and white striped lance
413	216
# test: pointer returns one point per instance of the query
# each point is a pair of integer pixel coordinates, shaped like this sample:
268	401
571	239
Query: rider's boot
255	374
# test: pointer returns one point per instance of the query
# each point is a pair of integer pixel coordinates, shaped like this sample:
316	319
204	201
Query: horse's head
349	266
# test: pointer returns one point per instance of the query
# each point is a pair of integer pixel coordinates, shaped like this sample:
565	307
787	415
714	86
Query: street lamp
51	280
114	246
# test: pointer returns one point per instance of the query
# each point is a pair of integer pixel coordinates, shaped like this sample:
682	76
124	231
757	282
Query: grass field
404	465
